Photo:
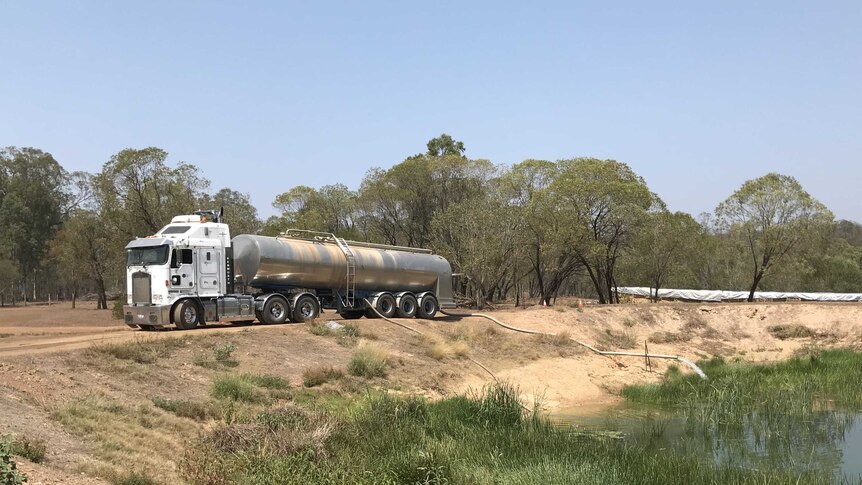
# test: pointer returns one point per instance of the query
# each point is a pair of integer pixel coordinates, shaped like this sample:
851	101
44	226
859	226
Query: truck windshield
157	255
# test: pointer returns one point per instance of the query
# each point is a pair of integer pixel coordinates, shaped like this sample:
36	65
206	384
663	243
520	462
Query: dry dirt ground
59	383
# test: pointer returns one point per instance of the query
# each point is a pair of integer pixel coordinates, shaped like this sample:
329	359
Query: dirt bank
53	357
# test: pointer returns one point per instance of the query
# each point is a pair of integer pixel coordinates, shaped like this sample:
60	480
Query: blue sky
696	96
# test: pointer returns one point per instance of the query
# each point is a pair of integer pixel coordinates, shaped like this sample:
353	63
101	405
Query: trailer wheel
427	307
305	309
352	314
385	305
407	306
275	310
186	315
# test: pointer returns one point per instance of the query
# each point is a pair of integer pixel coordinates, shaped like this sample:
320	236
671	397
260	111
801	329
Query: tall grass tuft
368	361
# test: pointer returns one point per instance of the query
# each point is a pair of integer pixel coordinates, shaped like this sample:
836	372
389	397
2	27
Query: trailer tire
407	306
306	308
385	305
275	310
427	307
186	315
352	314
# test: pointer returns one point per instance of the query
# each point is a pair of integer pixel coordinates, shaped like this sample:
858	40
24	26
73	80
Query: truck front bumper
147	315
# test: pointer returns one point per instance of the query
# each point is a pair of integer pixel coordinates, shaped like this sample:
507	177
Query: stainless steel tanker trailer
191	273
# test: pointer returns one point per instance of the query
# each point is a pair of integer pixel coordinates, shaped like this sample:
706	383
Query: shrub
117	311
316	376
319	328
223	354
9	474
185	409
784	332
31	449
368	361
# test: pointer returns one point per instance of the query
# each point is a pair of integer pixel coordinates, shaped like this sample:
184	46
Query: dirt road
38	329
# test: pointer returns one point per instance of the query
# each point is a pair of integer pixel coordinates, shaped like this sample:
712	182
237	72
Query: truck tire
427	307
305	309
275	310
407	306
186	315
385	305
352	314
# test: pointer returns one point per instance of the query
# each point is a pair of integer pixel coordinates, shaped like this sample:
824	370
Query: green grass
245	387
486	438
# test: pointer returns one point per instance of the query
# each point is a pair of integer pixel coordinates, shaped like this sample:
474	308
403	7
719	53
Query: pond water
822	440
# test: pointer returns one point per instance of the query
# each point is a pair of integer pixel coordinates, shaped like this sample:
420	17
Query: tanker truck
191	273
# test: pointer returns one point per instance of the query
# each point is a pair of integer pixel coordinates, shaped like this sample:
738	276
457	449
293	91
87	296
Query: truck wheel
305	309
352	314
186	315
407	306
427	307
275	310
385	305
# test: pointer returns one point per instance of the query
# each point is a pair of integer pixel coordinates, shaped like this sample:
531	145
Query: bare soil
53	357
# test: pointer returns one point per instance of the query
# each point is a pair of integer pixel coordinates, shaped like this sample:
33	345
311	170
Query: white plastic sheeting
720	295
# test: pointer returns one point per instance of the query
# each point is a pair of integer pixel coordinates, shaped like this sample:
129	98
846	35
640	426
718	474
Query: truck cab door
182	269
209	263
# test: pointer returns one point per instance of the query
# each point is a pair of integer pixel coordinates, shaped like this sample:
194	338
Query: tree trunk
757	277
102	297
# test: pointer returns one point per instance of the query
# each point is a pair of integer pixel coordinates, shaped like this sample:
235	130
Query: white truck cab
188	259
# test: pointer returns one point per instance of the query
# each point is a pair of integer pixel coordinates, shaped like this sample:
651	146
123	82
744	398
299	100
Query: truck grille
141	292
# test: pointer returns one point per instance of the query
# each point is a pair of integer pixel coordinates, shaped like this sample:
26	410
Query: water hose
685	361
373	309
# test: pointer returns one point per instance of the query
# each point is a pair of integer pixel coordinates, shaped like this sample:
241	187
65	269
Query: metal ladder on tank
350	287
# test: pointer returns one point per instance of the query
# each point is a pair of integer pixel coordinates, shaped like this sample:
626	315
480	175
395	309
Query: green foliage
772	216
223	354
9	474
238	211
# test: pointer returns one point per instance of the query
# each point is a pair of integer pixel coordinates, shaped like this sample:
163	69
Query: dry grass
141	350
368	361
613	339
142	441
669	337
315	376
439	349
784	332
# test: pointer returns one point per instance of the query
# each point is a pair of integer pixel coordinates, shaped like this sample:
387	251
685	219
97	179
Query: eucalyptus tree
139	193
32	198
664	248
603	202
238	210
480	238
771	217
